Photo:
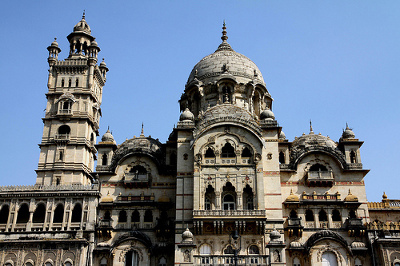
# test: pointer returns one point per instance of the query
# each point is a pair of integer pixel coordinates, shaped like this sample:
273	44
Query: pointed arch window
135	217
353	158
58	214
281	157
76	213
246	153
209	153
248	196
5	210
329	259
39	214
227	151
139	172
309	216
322	216
122	217
104	159
209	199
23	214
293	214
336	216
229	202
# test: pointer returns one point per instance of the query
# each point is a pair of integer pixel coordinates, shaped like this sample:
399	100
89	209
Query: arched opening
104	159
209	199
67	263
246	153
205	252
322	216
296	261
228	197
103	262
148	216
58	214
253	250
131	258
318	168
76	213
23	214
162	261
122	217
48	264
135	217
107	216
309	216
257	103
64	130
28	264
5	210
209	153
139	172
172	158
293	214
353	157
248	197
39	214
76	82
228	151
229	250
357	262
226	94
281	157
336	217
62	83
352	214
329	259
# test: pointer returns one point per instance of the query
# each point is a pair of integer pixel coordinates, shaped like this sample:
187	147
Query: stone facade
226	187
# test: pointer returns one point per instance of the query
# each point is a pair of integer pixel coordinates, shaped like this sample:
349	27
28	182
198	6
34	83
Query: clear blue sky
329	61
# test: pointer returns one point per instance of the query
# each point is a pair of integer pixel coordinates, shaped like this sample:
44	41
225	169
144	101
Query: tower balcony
320	178
61	137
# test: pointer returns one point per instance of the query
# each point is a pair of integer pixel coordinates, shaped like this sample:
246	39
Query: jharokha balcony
320	178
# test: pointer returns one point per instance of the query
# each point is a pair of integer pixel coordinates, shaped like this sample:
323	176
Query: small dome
54	43
274	235
107	198
351	198
348	133
295	244
187	236
292	197
186	115
82	26
267	114
384	196
107	137
357	244
103	64
94	43
282	135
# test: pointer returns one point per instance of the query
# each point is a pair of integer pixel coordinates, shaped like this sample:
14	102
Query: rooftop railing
70	187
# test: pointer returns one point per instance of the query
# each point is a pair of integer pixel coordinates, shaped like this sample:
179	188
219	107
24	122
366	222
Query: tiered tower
71	123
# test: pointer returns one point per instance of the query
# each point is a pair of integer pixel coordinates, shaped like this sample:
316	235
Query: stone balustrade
228	213
77	187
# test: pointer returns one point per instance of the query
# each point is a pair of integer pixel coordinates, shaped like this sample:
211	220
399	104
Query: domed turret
107	137
80	40
267	114
292	197
187	236
351	198
186	115
348	133
282	136
82	26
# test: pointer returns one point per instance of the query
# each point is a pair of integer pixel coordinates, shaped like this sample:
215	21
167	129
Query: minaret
71	122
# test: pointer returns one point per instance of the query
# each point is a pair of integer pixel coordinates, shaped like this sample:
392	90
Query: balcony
320	178
355	226
64	112
228	214
294	226
137	180
229	260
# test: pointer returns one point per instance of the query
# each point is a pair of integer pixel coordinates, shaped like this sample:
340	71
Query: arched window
139	172
329	259
205	249
63	131
336	216
162	261
352	214
293	214
277	256
353	157
229	250
226	93
281	157
209	198
62	82
309	216
76	82
67	263
122	218
209	153
65	106
28	264
296	261
23	214
318	168
229	202
228	151
5	210
48	264
76	213
148	216
253	249
58	214
357	262
69	83
39	214
322	216
107	216
248	198
104	159
135	217
131	258
246	152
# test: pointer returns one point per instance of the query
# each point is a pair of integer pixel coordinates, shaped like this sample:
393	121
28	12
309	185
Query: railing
336	224
309	224
229	213
294	222
386	203
134	226
323	224
320	175
64	111
229	260
71	187
61	137
388	226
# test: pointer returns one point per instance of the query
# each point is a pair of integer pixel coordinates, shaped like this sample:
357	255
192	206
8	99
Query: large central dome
225	60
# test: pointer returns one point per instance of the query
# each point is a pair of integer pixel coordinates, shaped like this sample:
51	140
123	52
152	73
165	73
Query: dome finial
224	37
311	129
142	132
83	15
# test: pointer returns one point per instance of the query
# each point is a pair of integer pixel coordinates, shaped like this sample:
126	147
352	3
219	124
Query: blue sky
329	61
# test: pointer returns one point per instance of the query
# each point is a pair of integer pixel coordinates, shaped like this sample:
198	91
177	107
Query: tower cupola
54	50
80	39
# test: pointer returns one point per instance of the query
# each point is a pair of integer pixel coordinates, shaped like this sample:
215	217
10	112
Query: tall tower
71	122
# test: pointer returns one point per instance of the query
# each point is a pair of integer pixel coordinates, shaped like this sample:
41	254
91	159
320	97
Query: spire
311	129
83	15
224	45
142	132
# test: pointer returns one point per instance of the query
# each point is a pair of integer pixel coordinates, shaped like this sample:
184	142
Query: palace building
227	187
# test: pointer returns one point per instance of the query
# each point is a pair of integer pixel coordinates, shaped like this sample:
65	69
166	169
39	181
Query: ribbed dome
314	140
107	137
82	26
107	198
292	197
267	114
54	43
186	115
187	236
348	133
225	61
351	198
